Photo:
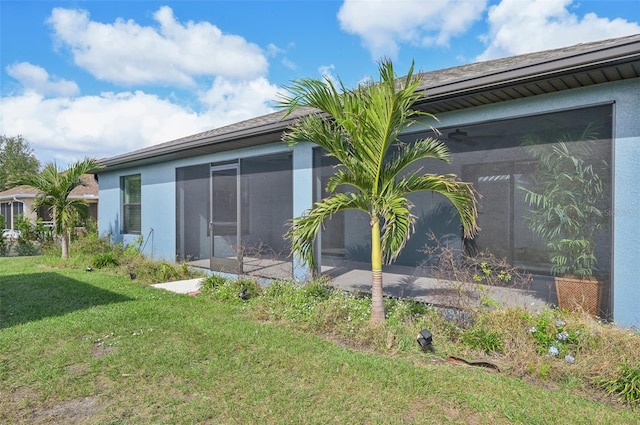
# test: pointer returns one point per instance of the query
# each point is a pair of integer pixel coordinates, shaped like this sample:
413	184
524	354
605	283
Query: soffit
531	75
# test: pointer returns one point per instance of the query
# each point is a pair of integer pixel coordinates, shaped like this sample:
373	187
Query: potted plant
567	213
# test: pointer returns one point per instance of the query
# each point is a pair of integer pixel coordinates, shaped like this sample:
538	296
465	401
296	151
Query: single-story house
20	199
222	199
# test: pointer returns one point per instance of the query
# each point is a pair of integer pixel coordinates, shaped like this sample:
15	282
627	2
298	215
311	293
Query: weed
465	279
213	282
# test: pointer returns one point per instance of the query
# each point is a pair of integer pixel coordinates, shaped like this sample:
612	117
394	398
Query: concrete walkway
181	286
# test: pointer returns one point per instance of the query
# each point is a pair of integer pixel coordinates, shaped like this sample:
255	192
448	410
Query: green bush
229	290
105	259
555	336
25	247
481	339
626	385
5	246
27	230
92	244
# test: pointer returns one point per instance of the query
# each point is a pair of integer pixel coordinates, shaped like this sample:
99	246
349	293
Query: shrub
554	336
5	245
626	385
482	339
91	244
27	230
105	259
25	247
229	290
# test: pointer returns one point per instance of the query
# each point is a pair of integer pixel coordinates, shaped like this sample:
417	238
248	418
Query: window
11	210
131	195
5	211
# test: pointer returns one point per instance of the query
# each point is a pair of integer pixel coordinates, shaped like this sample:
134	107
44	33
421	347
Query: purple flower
560	323
562	336
553	351
569	359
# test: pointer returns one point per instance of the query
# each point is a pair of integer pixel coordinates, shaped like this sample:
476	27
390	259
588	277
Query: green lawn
85	348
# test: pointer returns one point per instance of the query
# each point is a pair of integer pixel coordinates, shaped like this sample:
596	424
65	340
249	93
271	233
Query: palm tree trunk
65	244
377	305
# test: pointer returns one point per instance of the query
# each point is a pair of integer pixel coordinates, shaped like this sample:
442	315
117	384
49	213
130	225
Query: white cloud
384	25
67	129
37	79
273	50
229	101
517	27
104	125
225	75
125	52
326	71
288	64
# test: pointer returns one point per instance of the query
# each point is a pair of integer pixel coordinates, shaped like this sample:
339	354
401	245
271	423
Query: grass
99	348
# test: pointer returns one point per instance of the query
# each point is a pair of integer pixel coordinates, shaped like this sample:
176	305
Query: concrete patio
413	283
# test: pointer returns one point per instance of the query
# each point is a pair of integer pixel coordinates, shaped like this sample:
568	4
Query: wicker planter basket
579	294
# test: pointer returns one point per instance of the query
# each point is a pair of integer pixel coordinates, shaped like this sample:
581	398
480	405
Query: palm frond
304	229
54	187
462	195
407	154
398	225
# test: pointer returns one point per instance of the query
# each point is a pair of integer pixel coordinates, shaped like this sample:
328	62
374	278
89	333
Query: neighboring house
20	200
222	199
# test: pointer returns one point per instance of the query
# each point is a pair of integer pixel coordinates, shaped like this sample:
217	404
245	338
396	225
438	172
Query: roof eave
509	72
543	69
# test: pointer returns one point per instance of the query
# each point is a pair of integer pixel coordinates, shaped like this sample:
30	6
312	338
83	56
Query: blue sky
101	78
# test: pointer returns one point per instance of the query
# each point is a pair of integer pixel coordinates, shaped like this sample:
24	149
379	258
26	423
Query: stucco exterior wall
158	182
158	194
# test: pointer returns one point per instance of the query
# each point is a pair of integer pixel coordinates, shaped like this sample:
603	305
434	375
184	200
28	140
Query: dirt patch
68	412
100	351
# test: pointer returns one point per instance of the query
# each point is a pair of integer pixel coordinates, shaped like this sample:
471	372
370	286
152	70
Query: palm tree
54	188
359	128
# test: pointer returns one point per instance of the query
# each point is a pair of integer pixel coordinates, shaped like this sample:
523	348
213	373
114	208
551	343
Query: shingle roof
90	191
446	90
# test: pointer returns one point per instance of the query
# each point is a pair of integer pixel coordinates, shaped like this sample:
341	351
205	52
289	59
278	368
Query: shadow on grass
29	297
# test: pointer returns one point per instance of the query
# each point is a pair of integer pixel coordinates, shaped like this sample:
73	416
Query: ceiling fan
459	136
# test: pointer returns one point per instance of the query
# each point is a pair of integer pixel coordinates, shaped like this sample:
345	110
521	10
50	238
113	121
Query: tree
16	160
360	128
54	188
